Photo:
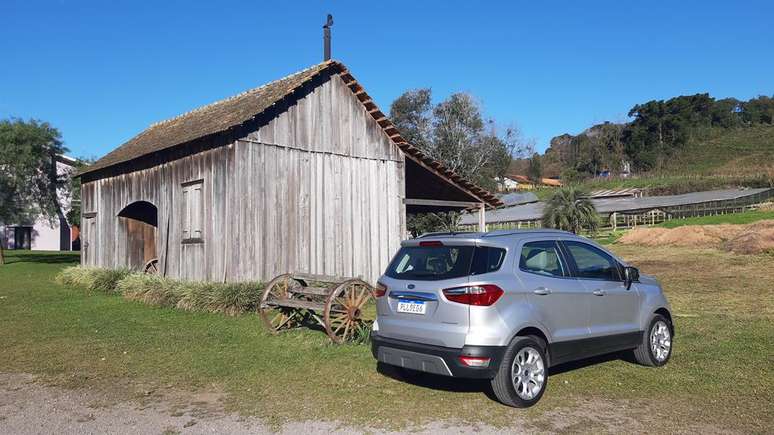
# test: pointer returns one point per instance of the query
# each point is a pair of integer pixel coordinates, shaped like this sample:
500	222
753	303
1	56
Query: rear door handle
542	291
599	292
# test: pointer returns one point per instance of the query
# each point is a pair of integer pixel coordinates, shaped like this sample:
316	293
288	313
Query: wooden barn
303	174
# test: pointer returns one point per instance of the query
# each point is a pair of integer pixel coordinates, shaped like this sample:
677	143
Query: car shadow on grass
434	382
463	385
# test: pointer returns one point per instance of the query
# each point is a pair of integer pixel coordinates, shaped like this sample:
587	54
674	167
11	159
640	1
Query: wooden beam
482	218
442	203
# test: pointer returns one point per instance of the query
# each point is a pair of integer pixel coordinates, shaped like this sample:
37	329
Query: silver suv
507	305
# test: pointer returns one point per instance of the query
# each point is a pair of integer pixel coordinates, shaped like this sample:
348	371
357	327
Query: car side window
592	262
542	258
487	259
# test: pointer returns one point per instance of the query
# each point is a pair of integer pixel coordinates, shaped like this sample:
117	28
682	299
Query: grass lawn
721	375
733	218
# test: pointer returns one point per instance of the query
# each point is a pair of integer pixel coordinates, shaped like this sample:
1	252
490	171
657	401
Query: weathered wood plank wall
319	189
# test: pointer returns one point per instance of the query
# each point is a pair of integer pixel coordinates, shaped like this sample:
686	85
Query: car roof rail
525	231
445	233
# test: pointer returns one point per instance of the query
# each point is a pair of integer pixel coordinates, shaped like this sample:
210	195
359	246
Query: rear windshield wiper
422	274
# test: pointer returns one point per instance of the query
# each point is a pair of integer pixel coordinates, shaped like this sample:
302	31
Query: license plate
412	307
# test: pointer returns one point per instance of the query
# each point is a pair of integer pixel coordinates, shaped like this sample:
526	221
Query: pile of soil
753	238
766	206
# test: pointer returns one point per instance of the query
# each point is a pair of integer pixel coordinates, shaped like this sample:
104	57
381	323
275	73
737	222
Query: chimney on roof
327	37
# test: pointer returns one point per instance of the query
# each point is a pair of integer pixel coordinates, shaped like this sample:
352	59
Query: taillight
474	361
431	244
380	290
480	295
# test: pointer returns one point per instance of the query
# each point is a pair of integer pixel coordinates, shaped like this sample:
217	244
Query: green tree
28	175
411	113
535	168
456	133
758	110
725	113
421	223
569	209
658	130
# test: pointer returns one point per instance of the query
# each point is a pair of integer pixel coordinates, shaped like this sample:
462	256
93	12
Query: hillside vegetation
724	158
683	144
728	152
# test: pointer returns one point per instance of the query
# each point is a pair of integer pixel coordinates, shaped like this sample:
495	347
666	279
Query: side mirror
631	274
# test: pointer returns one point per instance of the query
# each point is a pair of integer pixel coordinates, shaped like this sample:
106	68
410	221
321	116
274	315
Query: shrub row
226	298
92	279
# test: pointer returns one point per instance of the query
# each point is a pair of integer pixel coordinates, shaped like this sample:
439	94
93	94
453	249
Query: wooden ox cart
344	307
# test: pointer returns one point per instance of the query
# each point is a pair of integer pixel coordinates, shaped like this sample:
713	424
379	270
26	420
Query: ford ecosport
507	305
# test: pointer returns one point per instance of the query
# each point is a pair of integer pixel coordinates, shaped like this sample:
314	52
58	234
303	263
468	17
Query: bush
93	279
227	298
151	289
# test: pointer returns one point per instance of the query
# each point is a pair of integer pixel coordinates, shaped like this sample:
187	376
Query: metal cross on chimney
327	37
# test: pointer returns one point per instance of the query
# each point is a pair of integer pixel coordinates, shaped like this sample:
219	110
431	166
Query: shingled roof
239	109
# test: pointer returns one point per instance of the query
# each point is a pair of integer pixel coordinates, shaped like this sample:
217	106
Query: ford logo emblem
411	286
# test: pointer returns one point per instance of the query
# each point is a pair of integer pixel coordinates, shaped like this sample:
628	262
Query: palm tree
569	209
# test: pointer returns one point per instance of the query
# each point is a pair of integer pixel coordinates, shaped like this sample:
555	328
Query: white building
43	235
506	184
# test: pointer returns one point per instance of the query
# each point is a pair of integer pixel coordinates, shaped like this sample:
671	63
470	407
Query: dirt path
29	406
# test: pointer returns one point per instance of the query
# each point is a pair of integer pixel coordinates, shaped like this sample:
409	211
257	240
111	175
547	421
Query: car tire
656	346
520	382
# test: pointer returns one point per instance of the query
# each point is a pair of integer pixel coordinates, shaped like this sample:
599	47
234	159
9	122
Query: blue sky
103	71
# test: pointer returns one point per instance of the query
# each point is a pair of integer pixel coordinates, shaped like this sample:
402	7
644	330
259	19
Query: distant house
525	183
506	184
42	234
304	174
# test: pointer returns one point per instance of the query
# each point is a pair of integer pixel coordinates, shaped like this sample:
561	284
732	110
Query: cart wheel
350	310
151	267
277	318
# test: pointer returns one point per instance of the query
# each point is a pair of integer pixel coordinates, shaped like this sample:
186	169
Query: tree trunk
2	254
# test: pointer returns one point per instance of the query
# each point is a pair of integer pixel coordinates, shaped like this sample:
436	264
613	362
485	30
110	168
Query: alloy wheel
528	373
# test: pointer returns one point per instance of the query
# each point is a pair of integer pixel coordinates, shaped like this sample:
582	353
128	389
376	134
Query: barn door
89	238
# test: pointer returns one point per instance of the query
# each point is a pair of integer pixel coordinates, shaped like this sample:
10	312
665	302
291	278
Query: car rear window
435	263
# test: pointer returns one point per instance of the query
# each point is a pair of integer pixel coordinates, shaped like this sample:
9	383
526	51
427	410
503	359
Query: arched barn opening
139	223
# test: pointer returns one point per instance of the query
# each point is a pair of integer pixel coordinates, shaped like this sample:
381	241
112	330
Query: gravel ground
30	406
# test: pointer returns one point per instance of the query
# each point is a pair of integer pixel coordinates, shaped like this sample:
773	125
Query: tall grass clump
151	289
92	279
227	298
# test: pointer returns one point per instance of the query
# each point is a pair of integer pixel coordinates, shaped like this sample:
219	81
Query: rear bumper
435	359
